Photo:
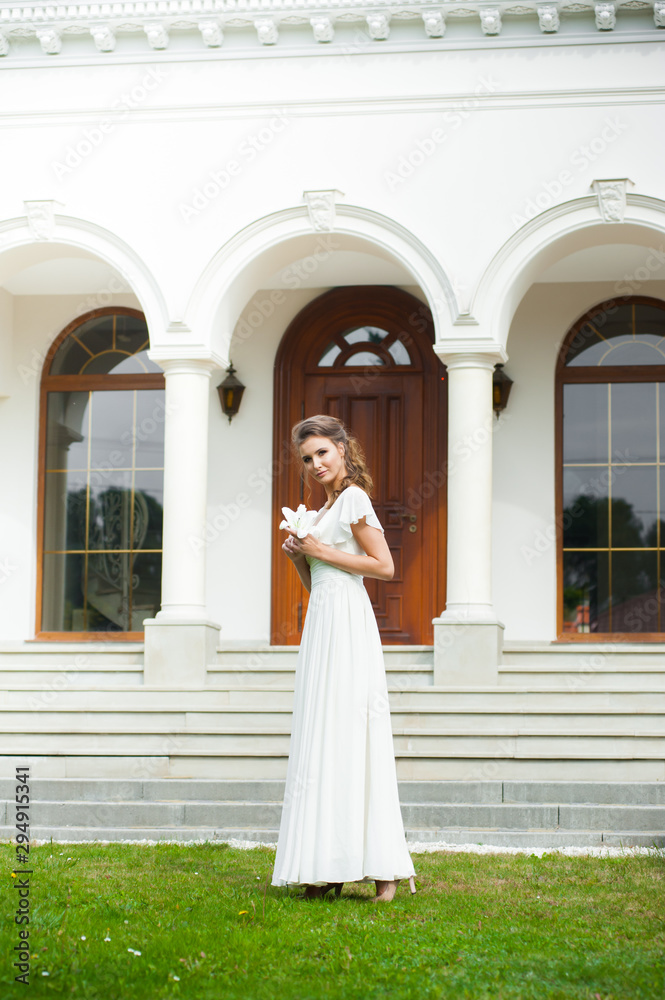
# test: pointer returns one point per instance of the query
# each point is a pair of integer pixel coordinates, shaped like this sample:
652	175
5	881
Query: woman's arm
298	559
376	563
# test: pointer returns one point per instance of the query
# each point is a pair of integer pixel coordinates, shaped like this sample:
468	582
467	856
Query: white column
180	641
468	636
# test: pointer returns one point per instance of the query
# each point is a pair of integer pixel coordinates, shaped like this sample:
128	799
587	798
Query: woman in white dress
341	819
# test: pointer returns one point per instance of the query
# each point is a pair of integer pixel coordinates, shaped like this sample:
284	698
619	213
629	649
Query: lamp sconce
230	392
501	386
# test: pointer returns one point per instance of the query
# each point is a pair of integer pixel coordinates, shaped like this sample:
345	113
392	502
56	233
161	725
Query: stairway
559	714
519	814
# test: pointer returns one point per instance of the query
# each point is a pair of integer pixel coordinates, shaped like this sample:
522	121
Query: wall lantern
501	386
230	392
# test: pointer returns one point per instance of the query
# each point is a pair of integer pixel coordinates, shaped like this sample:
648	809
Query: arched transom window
101	482
611	445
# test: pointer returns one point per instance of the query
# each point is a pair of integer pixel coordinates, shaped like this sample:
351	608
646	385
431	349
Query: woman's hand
297	548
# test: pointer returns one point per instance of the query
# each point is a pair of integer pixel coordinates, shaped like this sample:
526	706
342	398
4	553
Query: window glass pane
374	334
149	428
65	501
634	506
67	430
328	357
399	353
585	425
633	352
108	591
148	509
635	601
109	517
585	591
62	601
101	489
146	587
135	364
585	512
112	343
112	429
364	358
634	425
629	334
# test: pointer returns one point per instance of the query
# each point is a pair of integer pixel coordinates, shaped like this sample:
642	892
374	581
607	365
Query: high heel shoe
319	891
337	886
390	888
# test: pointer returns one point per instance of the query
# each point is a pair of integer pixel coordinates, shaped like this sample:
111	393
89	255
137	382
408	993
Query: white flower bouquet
301	521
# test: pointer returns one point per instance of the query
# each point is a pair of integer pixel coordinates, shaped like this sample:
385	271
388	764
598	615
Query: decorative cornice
270	20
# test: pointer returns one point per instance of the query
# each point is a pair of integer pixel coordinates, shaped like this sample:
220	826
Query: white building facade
366	208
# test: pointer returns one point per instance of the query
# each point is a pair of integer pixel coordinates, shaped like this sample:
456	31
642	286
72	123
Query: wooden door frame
301	346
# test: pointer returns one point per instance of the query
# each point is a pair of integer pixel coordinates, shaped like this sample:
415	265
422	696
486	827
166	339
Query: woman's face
323	461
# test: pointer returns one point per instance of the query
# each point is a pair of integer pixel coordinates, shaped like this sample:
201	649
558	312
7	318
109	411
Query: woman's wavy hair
322	425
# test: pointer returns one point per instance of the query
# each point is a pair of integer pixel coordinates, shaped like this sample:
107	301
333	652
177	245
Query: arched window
101	479
611	472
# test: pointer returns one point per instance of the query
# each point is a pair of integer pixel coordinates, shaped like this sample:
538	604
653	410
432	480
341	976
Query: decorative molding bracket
606	17
321	209
158	36
266	30
435	23
50	40
612	198
548	17
659	14
323	28
490	20
211	33
104	37
378	26
41	218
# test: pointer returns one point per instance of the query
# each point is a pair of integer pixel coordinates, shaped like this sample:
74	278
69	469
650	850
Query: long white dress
341	819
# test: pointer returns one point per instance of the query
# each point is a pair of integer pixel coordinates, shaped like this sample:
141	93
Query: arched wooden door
364	354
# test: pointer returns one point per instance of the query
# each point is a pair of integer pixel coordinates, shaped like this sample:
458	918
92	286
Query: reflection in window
614	485
103	487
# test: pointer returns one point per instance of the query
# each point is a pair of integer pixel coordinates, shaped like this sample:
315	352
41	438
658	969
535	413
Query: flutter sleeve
354	504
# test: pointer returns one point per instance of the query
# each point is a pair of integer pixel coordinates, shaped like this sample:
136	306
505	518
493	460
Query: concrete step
587	655
541	814
261	815
251	664
172	762
445	700
490	792
541	743
416	721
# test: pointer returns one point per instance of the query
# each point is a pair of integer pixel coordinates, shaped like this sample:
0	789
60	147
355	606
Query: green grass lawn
208	924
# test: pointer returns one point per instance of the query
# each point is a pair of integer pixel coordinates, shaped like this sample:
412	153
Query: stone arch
82	234
236	271
548	238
